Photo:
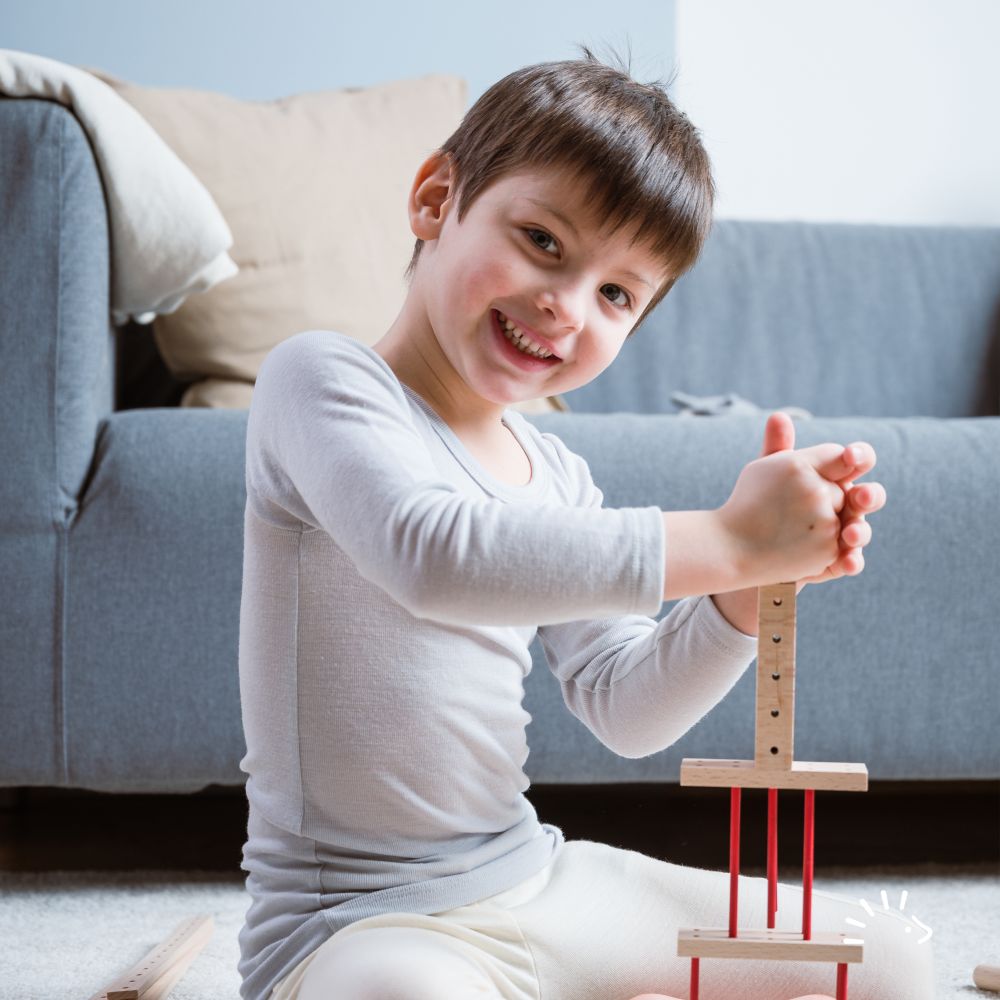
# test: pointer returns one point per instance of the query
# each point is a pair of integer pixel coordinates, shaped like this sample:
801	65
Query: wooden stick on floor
987	977
156	973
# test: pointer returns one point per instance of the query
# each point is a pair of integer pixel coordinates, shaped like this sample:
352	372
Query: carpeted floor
66	934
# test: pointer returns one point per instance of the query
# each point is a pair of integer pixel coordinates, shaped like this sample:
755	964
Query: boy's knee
390	963
898	964
653	996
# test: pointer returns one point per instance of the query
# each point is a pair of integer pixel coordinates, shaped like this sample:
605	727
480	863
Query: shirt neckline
539	470
472	465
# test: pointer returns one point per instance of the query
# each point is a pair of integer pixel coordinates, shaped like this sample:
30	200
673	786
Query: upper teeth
521	339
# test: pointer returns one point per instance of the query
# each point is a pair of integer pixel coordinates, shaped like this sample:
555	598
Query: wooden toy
987	977
157	972
773	767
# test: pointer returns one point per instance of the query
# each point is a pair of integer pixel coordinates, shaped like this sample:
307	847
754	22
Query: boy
407	534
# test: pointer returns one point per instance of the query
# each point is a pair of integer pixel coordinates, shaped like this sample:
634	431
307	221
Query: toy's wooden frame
773	767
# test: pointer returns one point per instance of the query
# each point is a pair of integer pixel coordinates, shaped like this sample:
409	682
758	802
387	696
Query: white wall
881	111
260	49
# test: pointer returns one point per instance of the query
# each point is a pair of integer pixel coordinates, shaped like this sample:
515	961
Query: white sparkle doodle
885	906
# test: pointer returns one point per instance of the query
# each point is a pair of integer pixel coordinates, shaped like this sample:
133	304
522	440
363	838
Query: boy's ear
432	195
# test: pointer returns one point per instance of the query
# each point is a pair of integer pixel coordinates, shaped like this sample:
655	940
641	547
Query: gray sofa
121	515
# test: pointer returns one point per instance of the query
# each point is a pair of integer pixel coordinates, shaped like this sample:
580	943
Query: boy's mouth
512	340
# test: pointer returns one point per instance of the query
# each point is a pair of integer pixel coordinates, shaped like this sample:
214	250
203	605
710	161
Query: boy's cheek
491	281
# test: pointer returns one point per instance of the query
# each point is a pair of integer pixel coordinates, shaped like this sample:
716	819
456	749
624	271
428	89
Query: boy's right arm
332	444
701	556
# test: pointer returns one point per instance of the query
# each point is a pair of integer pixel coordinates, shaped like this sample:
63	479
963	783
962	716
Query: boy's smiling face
528	248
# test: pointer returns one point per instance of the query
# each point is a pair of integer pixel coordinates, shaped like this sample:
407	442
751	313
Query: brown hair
640	157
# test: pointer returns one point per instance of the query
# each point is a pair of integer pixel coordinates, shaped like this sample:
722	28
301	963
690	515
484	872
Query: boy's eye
542	233
627	304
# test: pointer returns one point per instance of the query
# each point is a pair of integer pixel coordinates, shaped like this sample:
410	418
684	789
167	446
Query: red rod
734	856
694	979
842	981
772	855
807	864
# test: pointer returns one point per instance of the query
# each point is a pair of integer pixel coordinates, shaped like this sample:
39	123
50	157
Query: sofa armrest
56	337
900	665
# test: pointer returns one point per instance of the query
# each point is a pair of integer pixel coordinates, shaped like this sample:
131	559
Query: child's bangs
661	207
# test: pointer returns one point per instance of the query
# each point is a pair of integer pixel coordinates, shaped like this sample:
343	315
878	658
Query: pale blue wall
258	50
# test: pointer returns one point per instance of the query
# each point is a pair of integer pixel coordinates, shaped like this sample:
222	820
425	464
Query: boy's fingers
865	498
848	563
779	434
859	536
862	454
837	462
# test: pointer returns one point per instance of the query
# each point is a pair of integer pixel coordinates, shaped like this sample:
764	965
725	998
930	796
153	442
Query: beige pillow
314	188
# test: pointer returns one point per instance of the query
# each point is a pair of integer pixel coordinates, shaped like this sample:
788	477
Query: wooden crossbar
785	946
820	775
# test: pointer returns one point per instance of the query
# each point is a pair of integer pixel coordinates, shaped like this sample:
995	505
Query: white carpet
66	934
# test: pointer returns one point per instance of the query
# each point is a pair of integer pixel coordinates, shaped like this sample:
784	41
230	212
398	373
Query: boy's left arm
739	608
639	684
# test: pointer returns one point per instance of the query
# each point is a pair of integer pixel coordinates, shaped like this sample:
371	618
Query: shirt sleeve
331	445
638	684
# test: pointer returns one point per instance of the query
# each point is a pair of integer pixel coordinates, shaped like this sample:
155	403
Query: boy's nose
565	305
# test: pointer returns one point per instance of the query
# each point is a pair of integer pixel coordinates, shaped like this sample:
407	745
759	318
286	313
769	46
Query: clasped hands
859	499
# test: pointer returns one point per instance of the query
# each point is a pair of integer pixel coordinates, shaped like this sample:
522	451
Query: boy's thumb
779	434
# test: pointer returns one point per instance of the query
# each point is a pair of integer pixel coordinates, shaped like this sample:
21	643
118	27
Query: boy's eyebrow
559	215
566	222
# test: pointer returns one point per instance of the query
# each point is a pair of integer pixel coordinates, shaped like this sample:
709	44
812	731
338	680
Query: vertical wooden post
774	736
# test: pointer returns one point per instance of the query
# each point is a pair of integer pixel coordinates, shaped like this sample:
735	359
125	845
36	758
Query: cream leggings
600	923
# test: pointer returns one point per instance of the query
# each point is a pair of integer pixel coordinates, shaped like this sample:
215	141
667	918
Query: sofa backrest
841	319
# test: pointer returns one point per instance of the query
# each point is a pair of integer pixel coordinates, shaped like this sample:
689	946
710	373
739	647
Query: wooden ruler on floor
157	972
